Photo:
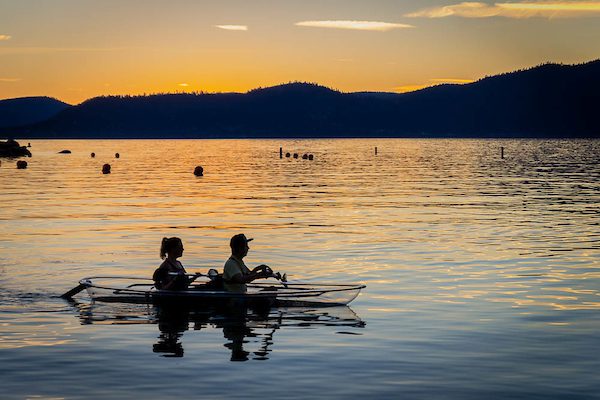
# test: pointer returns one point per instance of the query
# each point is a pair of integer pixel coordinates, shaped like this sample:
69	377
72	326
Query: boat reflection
240	325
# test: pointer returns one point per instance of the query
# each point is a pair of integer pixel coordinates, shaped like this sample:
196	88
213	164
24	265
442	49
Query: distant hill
29	110
549	100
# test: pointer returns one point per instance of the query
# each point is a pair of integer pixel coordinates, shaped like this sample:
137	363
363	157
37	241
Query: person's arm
247	278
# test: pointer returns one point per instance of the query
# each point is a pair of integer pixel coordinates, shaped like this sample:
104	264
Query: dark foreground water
482	273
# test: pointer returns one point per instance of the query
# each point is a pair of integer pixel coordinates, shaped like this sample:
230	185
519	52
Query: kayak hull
142	291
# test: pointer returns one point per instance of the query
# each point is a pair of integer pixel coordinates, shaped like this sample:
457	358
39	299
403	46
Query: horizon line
436	82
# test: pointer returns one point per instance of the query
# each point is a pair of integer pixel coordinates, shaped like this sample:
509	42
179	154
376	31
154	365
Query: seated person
235	272
171	274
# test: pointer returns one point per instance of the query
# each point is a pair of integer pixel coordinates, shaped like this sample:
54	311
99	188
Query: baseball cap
238	240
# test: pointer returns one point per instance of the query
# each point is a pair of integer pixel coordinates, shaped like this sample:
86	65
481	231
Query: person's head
173	247
239	245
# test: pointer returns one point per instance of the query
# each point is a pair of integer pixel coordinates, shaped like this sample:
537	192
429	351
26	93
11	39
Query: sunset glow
122	48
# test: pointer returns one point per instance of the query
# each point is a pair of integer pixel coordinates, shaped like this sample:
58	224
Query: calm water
483	274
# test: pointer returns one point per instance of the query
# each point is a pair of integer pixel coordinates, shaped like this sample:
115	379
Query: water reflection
240	325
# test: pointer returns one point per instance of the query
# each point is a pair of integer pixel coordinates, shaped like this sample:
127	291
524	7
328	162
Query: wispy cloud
233	27
451	80
5	37
183	84
409	88
10	79
522	9
358	25
44	50
432	82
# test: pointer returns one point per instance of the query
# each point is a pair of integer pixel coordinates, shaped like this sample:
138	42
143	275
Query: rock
295	155
310	157
64	152
11	148
117	155
287	155
106	169
93	155
21	164
305	156
199	171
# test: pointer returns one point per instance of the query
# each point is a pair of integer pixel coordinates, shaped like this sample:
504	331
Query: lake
482	272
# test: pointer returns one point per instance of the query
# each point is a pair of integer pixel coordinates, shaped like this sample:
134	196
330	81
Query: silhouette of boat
142	290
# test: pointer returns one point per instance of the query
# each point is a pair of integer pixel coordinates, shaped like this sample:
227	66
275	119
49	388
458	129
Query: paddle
278	276
73	291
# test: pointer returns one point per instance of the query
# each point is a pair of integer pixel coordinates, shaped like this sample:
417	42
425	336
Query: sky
77	49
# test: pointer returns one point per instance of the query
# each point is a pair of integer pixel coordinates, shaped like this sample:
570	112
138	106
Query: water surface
482	273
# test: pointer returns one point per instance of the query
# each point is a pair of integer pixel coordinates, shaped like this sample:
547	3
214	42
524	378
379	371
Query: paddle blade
73	291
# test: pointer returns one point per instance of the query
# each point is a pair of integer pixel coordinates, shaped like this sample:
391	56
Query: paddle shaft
73	291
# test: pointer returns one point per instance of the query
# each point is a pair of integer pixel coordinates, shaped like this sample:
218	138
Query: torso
234	266
162	277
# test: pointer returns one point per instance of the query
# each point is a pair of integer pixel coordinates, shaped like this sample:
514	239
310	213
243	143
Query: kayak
142	290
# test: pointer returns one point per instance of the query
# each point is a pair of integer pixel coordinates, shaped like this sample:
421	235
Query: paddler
171	274
235	273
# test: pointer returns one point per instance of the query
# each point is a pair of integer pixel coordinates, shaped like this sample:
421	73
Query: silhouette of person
235	273
171	274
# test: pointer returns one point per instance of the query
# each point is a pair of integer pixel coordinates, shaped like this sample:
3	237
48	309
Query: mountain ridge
27	110
549	100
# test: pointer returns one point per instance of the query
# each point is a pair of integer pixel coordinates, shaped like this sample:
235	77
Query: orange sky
74	50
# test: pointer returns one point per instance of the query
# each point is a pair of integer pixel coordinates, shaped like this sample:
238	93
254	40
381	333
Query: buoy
295	155
199	171
21	164
64	152
305	156
106	169
287	155
93	155
310	156
117	155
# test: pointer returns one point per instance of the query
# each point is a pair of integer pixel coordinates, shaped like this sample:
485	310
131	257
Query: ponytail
167	245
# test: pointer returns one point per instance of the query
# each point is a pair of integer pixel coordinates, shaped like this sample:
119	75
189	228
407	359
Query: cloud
233	27
522	9
10	79
44	50
183	84
432	82
5	37
409	88
358	25
451	80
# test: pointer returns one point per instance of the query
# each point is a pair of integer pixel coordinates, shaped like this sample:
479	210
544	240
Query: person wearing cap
235	273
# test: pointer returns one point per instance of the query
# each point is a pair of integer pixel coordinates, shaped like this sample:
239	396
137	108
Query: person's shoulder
230	262
159	273
231	267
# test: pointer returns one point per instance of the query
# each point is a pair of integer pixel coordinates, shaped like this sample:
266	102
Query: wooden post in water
281	152
502	153
375	150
